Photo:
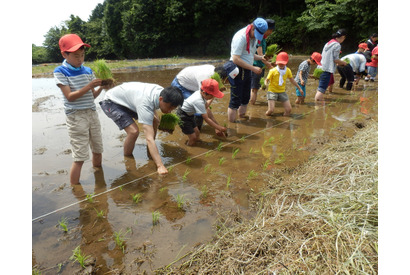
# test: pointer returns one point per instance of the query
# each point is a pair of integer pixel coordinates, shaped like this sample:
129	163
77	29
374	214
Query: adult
356	67
243	53
330	58
261	50
137	100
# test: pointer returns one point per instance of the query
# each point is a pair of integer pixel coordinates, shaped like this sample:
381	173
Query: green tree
38	54
51	43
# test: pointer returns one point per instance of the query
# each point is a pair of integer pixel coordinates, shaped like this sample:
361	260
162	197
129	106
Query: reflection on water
217	176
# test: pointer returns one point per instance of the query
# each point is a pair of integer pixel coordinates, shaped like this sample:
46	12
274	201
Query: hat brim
318	62
258	35
76	47
281	62
218	94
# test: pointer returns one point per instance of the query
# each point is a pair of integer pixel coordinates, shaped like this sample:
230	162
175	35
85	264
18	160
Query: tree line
131	29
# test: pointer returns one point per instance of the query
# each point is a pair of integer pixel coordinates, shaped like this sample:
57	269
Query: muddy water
217	177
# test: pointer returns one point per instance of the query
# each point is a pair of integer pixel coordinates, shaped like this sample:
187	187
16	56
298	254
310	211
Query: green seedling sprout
217	77
119	239
90	198
266	164
35	271
204	191
137	197
280	158
228	180
271	52
222	160
251	150
186	174
162	189
180	201
63	224
242	138
155	217
235	152
252	174
100	214
188	160
207	167
168	122
120	188
207	154
219	148
79	257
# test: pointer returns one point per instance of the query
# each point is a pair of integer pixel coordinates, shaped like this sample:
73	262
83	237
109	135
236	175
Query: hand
256	70
220	133
162	170
95	83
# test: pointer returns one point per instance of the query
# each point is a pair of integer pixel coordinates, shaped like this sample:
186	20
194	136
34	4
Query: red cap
211	87
71	42
317	57
282	58
363	46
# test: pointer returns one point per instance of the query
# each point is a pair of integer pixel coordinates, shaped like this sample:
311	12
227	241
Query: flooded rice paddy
129	219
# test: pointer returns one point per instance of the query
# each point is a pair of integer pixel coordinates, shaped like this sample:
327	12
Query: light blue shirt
238	46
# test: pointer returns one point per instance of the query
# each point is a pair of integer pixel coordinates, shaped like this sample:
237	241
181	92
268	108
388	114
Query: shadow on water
110	216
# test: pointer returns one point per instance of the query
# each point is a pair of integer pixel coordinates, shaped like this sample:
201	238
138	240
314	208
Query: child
372	65
303	73
276	83
196	103
137	100
77	84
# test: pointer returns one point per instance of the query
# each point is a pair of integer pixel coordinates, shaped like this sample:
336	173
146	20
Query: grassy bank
47	69
321	218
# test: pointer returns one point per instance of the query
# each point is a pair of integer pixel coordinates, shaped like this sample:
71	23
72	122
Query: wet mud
111	216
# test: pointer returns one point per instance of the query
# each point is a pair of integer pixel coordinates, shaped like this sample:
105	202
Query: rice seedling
252	174
102	71
79	257
35	271
317	72
222	160
228	180
171	168
219	148
207	154
188	160
206	168
217	77
155	217
272	51
162	189
251	150
204	191
180	201
235	152
119	238
168	122
268	141
120	188
63	224
242	138
266	164
100	214
280	158
137	197
90	198
187	171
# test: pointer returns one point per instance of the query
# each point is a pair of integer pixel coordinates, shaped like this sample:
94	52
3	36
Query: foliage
101	69
79	257
130	29
38	54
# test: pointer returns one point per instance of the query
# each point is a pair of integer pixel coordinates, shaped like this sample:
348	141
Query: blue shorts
298	93
256	79
324	81
122	116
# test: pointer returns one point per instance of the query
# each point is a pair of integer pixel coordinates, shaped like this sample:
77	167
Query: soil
210	179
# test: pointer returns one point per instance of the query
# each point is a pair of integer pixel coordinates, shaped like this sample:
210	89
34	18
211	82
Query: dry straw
322	219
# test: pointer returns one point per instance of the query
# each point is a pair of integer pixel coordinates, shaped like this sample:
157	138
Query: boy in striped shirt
77	84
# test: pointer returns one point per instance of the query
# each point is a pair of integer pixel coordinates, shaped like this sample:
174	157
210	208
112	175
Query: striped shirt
75	79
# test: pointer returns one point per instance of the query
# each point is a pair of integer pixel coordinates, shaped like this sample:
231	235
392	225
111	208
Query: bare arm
292	80
153	149
239	62
71	96
213	124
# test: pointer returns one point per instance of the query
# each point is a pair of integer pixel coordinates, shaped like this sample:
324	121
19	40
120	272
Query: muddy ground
211	180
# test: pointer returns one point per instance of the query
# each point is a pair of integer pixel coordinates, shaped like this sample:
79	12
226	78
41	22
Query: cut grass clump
102	71
168	122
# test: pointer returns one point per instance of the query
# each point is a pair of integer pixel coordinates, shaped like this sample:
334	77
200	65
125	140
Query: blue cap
261	26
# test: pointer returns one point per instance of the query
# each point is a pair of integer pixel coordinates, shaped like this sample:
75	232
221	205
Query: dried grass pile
323	219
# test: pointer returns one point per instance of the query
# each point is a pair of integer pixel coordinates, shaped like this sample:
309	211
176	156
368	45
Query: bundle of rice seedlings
347	60
102	71
271	52
217	77
168	122
262	83
317	72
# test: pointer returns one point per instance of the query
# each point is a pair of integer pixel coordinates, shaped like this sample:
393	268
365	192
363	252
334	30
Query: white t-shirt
194	104
238	46
190	77
142	98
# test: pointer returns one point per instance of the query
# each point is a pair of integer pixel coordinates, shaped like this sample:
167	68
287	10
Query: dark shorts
240	89
324	81
188	122
122	116
256	79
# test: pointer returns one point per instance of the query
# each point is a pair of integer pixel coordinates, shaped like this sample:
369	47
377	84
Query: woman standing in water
330	58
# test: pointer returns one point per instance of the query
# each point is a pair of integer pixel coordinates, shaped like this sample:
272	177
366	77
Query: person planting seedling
197	103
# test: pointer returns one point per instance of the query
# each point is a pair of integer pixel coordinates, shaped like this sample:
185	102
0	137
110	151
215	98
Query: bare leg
254	95
271	107
288	108
232	114
129	142
242	110
75	172
97	159
319	96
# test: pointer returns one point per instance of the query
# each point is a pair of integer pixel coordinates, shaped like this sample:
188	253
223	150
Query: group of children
193	90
